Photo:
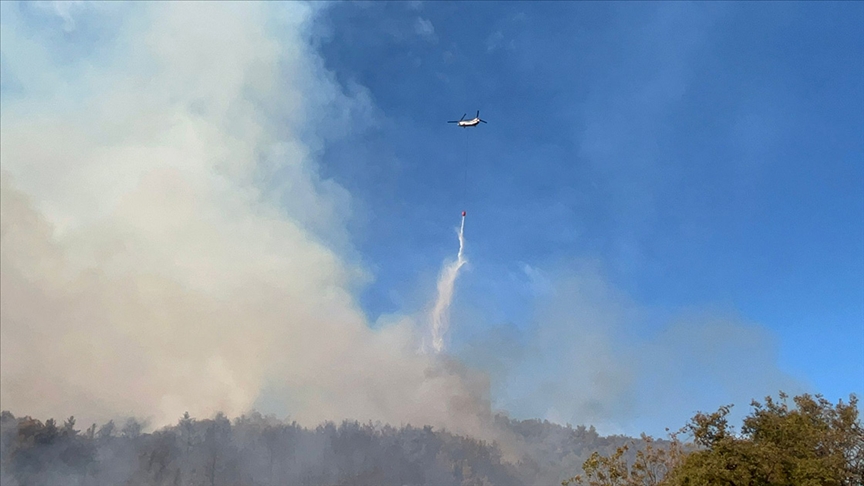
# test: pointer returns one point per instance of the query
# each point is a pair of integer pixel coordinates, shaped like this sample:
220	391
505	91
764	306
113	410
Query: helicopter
469	123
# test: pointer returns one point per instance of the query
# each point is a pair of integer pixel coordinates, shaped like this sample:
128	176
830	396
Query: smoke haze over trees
176	234
811	442
254	450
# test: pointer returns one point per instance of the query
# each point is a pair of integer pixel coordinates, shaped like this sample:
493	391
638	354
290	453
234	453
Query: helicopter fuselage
469	123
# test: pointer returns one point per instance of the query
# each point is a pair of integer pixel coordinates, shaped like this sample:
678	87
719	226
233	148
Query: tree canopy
810	442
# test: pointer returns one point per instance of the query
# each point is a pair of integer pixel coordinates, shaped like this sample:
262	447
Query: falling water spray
446	282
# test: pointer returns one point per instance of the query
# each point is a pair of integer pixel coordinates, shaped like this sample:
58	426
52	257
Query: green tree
811	443
649	467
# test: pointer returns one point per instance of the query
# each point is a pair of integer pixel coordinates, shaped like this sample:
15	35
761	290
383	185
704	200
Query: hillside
258	450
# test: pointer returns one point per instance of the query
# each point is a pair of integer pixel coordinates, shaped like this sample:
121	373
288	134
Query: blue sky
707	155
665	209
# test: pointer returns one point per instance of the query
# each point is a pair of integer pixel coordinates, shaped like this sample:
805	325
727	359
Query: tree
812	443
187	430
107	430
69	427
48	433
650	466
217	449
132	429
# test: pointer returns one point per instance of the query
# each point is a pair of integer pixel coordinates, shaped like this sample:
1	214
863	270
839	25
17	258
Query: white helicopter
469	123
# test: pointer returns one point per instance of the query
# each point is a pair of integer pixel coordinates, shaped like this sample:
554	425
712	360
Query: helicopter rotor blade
477	115
484	121
463	117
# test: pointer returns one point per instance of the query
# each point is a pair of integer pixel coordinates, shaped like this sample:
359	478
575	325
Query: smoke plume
167	243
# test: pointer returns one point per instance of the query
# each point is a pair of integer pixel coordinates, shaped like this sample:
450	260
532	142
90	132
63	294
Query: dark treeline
261	451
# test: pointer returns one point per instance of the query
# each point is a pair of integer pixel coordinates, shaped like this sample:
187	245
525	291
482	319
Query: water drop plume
446	283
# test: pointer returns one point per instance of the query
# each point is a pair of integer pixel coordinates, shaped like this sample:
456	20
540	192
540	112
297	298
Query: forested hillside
263	451
803	441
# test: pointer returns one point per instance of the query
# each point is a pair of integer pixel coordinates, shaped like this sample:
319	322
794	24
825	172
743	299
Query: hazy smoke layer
166	244
151	264
446	283
594	356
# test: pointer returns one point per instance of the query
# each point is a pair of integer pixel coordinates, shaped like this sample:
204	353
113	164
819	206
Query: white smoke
446	282
168	245
163	230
